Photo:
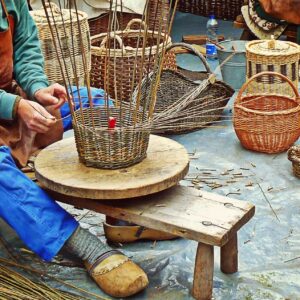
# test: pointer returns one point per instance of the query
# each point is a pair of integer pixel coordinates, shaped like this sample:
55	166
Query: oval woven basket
267	122
294	157
115	67
69	35
101	147
175	83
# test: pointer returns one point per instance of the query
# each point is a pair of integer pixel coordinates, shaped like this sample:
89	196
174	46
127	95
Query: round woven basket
115	67
273	56
294	157
176	82
67	34
102	147
267	122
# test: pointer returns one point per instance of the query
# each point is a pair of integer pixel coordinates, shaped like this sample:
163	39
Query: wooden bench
149	196
210	219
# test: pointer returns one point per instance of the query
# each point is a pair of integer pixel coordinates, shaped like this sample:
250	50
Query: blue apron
39	221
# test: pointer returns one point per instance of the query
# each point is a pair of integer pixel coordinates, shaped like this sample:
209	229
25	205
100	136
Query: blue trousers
40	222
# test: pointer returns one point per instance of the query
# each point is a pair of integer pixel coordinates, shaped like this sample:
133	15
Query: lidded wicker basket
116	69
68	37
273	56
294	157
267	121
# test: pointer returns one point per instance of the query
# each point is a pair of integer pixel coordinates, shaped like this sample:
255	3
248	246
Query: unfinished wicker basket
222	9
273	56
267	122
101	147
69	37
116	70
156	9
294	157
176	82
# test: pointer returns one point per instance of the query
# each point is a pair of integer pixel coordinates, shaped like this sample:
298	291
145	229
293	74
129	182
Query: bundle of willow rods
14	286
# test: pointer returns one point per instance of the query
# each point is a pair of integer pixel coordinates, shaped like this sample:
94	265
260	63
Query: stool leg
229	256
204	272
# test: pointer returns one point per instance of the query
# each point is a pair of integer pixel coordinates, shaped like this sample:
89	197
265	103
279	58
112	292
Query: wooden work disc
58	169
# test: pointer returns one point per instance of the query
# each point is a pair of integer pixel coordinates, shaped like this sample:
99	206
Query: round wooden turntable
58	169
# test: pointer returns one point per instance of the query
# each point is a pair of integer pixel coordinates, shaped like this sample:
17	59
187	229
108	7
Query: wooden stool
207	218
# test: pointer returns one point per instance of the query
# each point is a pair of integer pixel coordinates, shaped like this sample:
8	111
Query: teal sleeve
7	102
28	58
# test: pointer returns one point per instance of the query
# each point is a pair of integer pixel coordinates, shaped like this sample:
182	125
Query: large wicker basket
274	56
68	34
222	9
267	122
115	70
206	108
294	157
156	9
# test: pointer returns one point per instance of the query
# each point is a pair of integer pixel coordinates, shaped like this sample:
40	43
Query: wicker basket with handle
115	70
68	36
222	9
176	83
267	121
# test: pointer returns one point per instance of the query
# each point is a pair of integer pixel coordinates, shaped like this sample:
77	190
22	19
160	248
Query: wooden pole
229	256
204	271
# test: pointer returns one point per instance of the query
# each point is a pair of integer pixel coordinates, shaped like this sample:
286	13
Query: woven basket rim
129	51
295	50
267	113
82	17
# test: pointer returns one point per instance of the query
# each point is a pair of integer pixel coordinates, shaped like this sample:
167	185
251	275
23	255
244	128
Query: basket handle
245	85
53	7
192	50
135	21
115	37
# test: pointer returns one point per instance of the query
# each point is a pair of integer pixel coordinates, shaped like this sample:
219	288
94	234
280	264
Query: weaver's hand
53	95
35	116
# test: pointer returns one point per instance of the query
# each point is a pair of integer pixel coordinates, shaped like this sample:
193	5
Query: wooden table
207	218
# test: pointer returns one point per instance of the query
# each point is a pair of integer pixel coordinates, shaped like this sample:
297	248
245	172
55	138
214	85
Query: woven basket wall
274	56
157	8
294	157
115	70
69	41
267	121
221	9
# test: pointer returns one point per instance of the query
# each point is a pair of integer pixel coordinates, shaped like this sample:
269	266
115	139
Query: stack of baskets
222	9
116	69
176	85
67	41
267	120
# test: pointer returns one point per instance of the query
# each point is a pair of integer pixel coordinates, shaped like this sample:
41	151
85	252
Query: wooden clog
117	275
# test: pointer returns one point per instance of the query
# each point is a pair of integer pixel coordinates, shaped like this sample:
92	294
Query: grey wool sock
85	245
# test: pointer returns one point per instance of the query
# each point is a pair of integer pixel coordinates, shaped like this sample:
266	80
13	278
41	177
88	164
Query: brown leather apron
22	141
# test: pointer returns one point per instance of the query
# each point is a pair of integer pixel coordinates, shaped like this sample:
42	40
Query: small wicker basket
115	70
294	157
68	35
176	82
273	56
222	9
270	121
101	147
